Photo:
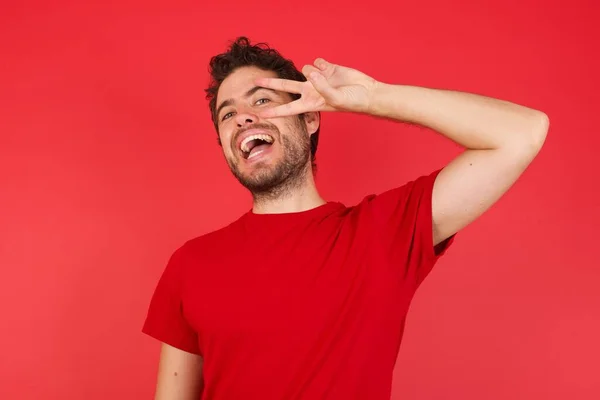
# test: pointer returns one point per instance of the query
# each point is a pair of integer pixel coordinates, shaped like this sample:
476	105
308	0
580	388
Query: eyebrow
249	93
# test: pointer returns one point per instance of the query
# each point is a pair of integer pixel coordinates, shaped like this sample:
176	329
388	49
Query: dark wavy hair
242	53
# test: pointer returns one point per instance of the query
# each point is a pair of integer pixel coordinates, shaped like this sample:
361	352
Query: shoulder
403	199
210	244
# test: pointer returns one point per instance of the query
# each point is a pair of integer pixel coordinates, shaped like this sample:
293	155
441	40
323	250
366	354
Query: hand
330	87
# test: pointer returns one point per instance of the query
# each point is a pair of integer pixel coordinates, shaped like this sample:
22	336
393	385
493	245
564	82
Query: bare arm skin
501	140
179	375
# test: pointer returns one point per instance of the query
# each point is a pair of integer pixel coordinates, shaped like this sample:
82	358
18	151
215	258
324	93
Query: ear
312	121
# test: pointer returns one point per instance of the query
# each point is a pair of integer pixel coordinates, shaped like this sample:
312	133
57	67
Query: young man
303	298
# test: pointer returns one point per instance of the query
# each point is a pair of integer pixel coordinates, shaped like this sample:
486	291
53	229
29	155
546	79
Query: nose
245	117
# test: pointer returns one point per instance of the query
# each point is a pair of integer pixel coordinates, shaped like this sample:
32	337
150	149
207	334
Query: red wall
109	161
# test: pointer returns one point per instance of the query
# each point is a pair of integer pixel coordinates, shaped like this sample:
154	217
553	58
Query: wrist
391	101
374	98
382	99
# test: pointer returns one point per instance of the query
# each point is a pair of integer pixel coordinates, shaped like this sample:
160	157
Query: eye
259	102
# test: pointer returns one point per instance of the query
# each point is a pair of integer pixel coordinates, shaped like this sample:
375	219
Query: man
303	298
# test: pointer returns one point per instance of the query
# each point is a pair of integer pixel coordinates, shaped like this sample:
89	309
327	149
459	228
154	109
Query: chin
261	170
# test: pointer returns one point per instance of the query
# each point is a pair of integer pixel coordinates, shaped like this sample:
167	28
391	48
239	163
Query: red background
109	162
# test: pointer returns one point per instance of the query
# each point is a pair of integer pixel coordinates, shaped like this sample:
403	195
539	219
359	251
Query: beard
270	181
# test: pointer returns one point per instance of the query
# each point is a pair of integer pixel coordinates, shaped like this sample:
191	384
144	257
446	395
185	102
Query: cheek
225	140
288	126
294	128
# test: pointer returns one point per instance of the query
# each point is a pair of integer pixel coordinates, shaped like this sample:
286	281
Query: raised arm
501	140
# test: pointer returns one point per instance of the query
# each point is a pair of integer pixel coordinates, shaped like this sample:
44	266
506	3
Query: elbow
534	135
539	131
531	139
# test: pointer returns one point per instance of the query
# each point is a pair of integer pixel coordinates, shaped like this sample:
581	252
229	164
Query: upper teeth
244	145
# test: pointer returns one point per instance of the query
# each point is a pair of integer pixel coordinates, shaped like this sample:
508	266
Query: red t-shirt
306	305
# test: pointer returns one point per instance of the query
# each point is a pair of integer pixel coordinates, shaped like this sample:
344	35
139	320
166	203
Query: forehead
240	81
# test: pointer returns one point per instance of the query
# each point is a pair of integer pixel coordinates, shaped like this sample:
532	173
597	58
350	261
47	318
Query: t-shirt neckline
315	212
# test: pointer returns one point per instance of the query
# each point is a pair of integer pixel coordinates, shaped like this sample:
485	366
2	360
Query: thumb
320	83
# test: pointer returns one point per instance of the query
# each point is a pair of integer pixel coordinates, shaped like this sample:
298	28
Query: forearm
472	121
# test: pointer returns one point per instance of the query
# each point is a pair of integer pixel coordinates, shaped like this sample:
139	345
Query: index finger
283	85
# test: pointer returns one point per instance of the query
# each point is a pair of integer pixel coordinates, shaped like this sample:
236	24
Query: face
267	156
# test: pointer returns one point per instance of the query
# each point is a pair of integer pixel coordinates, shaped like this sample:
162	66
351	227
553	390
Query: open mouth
255	144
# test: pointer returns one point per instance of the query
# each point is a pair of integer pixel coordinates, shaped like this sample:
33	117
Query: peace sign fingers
282	85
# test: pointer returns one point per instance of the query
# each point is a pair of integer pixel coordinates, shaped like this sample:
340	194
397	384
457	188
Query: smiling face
267	156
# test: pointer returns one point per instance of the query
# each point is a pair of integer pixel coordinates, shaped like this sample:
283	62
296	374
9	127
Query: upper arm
179	375
470	184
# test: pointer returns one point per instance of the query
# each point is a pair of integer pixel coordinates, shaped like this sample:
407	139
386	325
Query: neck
302	196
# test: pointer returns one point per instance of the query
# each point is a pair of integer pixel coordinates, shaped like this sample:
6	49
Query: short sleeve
165	320
403	222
